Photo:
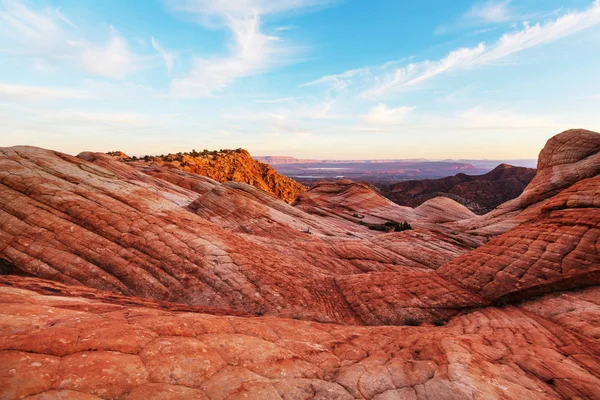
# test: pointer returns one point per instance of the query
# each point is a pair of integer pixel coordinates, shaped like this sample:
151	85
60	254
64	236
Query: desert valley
142	279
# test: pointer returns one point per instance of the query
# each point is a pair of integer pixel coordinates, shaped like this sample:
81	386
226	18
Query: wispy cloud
280	100
491	12
482	13
482	119
383	115
43	33
38	93
49	37
381	81
341	81
213	11
251	51
167	56
113	60
93	117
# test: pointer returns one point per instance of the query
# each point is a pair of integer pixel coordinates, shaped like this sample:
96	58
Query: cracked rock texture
60	347
95	221
121	282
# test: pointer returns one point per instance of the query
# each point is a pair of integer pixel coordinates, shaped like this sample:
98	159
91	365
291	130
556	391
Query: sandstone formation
480	193
126	282
567	158
225	166
358	201
61	347
95	221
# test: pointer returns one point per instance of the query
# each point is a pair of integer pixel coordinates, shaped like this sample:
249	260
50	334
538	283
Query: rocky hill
140	282
480	193
226	166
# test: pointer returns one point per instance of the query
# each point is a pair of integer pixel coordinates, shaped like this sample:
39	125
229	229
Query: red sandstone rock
94	221
560	249
567	158
172	264
228	166
504	353
360	203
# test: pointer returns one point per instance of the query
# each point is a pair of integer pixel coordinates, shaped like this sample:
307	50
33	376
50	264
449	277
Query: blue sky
307	78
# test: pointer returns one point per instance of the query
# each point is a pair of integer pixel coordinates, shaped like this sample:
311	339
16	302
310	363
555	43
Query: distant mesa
276	160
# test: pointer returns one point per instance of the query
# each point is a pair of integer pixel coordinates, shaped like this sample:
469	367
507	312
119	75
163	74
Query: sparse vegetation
391	226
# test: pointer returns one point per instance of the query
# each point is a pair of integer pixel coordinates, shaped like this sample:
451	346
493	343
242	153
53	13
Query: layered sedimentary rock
558	250
55	347
227	166
95	221
159	283
566	159
358	201
480	193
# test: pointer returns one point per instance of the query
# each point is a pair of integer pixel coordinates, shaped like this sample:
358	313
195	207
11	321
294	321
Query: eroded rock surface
228	166
127	282
183	238
54	347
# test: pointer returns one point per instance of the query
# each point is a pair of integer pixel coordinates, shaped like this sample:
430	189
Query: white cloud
41	65
486	13
167	56
280	100
490	12
38	93
251	52
383	115
217	9
64	19
319	111
481	119
39	33
49	37
114	60
381	81
341	81
85	117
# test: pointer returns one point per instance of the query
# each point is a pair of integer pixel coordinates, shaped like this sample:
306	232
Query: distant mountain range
380	173
491	164
479	193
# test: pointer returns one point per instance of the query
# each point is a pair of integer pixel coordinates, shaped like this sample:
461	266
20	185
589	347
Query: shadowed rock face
150	284
480	193
225	166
